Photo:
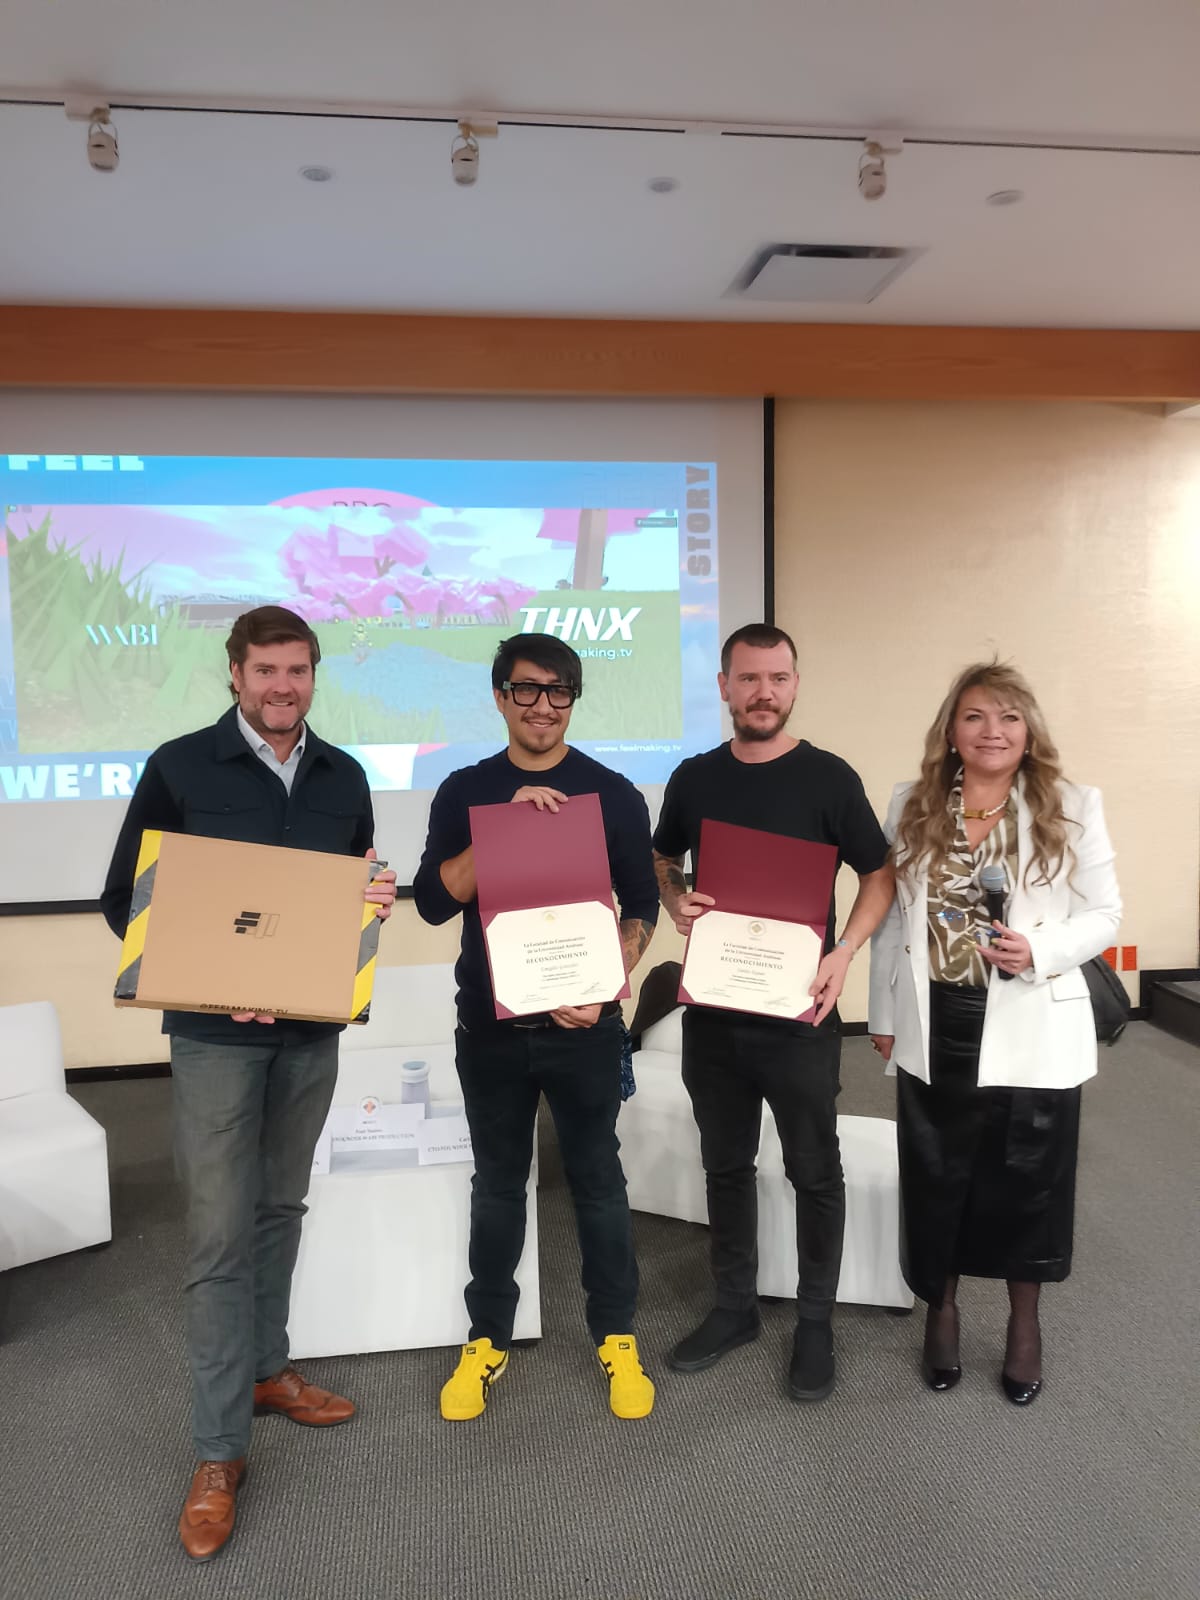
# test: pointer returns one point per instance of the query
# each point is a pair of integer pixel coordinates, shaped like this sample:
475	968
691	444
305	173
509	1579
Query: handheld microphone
993	880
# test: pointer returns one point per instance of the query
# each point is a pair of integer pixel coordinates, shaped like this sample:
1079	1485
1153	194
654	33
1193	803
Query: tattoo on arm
635	936
669	872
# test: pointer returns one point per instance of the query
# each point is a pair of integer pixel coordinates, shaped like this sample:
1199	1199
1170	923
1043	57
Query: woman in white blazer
990	1023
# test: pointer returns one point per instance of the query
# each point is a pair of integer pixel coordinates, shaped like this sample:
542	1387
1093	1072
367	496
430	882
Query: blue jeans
247	1119
504	1069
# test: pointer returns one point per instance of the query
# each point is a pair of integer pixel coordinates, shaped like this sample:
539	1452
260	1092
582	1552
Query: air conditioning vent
838	274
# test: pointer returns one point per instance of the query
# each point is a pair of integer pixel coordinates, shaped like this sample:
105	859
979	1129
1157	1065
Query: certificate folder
545	890
762	878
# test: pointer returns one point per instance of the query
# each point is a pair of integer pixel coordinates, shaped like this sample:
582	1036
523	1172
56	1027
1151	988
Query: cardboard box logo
261	924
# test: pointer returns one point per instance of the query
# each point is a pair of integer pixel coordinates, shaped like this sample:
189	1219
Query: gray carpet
727	1490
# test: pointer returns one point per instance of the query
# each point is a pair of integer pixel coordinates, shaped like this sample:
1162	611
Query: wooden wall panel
325	352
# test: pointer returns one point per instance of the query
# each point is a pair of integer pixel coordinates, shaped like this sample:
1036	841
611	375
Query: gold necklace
976	815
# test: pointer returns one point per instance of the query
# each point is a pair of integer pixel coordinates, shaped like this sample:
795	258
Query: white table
383	1254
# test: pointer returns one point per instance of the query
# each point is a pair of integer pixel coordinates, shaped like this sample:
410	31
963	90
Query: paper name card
384	1127
441	1140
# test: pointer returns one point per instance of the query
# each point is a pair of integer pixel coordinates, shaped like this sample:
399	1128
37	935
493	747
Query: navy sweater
493	782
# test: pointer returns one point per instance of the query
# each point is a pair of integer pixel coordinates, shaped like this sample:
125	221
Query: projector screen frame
76	907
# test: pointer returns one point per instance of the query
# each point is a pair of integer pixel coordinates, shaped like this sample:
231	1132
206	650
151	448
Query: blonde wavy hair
926	828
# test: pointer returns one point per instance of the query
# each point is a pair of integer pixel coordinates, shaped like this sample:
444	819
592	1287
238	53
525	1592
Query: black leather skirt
987	1176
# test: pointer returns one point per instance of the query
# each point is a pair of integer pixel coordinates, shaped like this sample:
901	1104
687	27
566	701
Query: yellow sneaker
630	1392
478	1368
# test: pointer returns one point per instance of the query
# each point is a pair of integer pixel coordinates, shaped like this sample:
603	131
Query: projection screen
412	534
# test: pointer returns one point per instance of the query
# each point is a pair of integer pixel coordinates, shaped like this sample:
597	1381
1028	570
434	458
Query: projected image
124	578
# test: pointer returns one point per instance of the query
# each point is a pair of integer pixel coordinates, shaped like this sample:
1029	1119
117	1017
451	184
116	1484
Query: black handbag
1110	1003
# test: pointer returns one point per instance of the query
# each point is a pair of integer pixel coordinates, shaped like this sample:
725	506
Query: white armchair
660	1152
53	1155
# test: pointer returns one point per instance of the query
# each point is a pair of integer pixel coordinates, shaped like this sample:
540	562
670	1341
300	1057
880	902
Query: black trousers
987	1176
732	1062
504	1070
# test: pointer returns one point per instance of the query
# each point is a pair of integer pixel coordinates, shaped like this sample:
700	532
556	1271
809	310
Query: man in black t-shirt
571	1055
733	1060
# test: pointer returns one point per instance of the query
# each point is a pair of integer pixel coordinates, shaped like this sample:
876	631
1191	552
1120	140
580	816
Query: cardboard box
216	925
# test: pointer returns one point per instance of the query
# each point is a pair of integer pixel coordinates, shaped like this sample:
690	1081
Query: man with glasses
571	1055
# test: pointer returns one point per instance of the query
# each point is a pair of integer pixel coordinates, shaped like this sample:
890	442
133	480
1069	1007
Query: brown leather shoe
302	1402
206	1521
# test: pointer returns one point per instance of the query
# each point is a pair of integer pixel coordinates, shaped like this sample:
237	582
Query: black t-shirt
493	782
805	794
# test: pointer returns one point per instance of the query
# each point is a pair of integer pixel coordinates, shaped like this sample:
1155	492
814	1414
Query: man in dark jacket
250	1093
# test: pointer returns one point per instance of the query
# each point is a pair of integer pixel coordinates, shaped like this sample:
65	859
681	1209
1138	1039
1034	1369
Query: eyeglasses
558	695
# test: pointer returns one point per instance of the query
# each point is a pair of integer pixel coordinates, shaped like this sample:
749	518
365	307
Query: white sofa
383	1254
53	1156
660	1151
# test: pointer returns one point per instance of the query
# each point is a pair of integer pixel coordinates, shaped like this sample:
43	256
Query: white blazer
1038	1030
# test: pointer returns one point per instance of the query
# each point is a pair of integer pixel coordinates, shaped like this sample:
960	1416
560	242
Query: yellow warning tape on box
139	916
368	949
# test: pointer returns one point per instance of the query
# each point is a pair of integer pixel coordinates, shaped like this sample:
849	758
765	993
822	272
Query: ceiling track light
102	152
872	163
464	149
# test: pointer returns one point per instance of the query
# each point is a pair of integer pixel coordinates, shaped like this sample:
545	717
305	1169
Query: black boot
811	1374
720	1332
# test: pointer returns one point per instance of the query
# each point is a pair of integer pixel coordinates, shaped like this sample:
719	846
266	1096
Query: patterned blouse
957	912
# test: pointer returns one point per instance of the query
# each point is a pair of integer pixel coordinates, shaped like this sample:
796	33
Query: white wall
913	539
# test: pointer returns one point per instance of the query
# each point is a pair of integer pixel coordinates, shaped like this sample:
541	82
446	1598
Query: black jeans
732	1062
503	1070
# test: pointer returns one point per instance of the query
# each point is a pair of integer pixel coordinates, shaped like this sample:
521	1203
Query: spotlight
464	156
101	144
872	166
102	150
872	172
464	149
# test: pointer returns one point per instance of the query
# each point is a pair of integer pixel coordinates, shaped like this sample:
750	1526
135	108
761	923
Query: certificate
550	956
759	947
756	964
546	907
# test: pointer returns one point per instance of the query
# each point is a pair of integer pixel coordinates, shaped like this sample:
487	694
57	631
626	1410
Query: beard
756	733
257	718
538	740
